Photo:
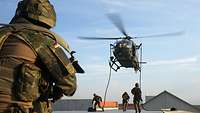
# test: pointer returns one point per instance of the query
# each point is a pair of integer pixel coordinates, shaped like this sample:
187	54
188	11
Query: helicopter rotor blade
117	21
162	35
98	38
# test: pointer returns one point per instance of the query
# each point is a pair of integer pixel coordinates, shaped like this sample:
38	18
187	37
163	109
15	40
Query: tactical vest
137	93
125	96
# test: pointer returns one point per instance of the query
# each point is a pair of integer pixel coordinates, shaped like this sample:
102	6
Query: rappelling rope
107	88
109	78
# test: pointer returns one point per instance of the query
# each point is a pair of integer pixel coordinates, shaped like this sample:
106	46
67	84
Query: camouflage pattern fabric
38	10
58	69
27	87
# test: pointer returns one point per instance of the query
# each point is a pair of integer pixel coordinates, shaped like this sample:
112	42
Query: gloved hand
57	94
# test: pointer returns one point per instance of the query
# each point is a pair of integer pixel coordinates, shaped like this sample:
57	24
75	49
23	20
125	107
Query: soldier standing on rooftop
136	91
125	99
34	70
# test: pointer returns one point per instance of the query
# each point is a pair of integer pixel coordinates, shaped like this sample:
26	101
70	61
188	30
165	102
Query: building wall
147	98
72	105
165	100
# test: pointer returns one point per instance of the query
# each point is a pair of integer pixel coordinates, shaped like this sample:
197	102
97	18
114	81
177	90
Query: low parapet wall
72	105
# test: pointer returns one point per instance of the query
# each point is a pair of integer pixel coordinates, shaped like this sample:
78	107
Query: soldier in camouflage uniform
96	101
34	70
136	91
125	99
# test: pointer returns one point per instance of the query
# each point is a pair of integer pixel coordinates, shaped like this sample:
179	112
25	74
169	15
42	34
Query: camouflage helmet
37	10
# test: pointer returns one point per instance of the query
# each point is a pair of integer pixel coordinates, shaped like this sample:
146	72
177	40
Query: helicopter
125	50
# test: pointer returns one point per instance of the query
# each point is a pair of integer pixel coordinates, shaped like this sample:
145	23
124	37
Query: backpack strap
54	36
4	34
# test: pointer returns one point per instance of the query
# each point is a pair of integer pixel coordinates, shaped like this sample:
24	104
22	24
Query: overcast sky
172	62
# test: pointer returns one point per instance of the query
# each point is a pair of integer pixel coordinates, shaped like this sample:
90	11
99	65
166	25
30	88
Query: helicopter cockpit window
124	44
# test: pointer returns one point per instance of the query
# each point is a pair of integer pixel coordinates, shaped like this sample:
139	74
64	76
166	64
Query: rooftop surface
114	111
